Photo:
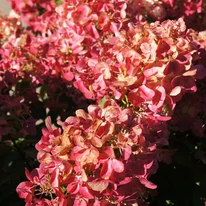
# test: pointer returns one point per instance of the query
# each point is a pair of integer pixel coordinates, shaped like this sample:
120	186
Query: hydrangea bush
114	81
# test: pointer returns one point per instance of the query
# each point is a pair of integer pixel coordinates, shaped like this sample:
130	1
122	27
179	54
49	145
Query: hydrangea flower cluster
95	158
193	12
137	73
194	109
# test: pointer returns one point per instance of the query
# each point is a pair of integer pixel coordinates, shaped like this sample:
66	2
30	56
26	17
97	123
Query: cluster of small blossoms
13	109
149	66
59	46
22	104
9	26
145	64
136	72
33	12
193	12
18	98
191	109
102	157
192	106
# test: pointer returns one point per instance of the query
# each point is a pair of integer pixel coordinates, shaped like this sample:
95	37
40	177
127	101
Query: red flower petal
135	99
73	188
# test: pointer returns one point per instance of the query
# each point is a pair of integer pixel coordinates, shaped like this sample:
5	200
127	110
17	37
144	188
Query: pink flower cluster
146	64
191	108
193	12
102	157
137	73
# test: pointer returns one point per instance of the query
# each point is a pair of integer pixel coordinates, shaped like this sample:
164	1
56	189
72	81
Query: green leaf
102	102
59	2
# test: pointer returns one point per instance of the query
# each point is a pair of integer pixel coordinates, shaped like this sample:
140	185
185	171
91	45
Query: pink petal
158	99
127	152
191	72
147	183
145	47
175	91
106	170
86	193
68	76
126	181
97	142
80	85
146	93
117	166
162	118
29	175
81	113
110	152
149	71
55	178
24	188
73	188
80	202
99	185
49	124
